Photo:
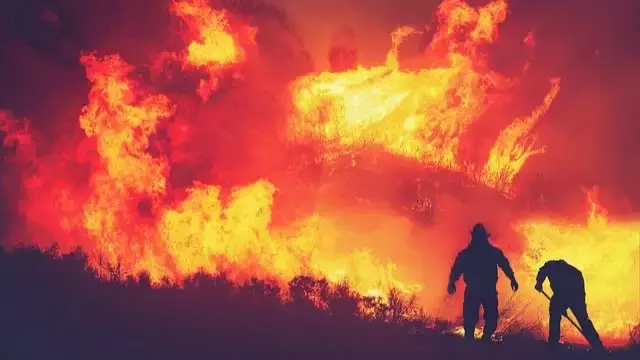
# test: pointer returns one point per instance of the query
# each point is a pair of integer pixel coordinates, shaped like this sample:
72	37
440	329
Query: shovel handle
566	315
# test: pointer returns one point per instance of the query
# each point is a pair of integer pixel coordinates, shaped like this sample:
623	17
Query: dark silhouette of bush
54	306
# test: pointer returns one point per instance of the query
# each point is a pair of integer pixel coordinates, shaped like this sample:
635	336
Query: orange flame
132	223
122	119
215	47
605	251
515	145
421	114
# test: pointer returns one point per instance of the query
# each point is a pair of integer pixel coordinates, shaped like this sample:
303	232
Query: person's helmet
479	231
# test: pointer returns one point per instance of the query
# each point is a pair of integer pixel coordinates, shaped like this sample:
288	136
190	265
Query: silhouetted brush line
53	305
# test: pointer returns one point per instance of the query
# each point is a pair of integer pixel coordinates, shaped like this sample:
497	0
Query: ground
55	308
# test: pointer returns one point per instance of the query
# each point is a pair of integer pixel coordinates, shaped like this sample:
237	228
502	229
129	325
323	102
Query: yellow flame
607	253
423	114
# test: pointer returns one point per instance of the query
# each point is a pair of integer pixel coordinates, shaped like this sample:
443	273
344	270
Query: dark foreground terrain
52	307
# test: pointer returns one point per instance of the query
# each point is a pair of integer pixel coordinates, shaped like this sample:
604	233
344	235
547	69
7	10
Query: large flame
423	114
131	222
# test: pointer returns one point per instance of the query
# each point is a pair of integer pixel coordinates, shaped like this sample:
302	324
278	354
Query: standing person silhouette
478	264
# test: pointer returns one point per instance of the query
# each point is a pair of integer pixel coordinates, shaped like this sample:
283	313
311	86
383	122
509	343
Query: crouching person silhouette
569	292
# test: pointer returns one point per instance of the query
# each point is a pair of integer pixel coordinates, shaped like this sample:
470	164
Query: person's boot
487	339
469	334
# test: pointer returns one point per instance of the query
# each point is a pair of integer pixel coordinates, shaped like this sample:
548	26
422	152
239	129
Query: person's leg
579	310
470	311
556	309
490	306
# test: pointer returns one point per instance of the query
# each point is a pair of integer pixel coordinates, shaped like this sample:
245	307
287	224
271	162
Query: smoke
371	22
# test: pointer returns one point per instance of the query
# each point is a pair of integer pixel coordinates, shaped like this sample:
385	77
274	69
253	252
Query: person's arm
504	264
456	271
543	273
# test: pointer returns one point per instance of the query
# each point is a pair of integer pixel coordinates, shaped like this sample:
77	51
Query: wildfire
132	223
607	253
515	145
423	114
132	214
215	47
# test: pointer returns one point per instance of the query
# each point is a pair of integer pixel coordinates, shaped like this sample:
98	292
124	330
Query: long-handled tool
599	347
566	315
